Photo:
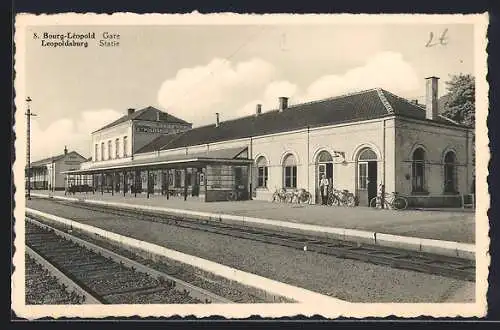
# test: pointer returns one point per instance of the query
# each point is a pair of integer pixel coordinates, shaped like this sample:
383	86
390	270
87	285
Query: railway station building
357	141
48	174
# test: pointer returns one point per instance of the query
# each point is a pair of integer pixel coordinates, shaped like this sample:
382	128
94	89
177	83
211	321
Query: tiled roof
370	104
403	107
409	109
49	160
148	113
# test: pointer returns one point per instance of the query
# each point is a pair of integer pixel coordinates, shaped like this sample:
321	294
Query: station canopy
230	156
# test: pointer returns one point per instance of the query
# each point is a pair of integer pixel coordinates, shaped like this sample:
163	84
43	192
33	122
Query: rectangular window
117	148
262	176
216	176
363	176
418	176
95	152
109	149
102	150
291	177
125	154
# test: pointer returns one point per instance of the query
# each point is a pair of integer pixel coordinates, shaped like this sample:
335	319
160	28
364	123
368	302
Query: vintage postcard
239	165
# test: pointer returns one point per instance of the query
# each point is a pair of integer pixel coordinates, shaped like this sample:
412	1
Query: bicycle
391	202
341	198
280	196
232	196
301	196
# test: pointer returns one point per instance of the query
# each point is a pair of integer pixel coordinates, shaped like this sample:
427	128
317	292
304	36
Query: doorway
195	177
324	167
367	176
240	182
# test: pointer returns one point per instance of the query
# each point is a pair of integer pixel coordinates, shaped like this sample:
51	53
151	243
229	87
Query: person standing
323	187
381	195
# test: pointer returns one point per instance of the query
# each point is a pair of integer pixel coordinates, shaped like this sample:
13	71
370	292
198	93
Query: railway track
44	288
106	277
457	268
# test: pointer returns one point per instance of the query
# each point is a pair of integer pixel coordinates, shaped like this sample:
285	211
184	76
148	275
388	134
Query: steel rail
179	285
62	278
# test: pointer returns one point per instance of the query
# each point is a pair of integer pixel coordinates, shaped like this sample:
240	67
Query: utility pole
28	114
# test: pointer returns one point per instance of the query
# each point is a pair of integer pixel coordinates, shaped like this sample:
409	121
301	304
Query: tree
460	103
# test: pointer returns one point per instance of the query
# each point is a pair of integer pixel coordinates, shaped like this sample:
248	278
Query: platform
456	225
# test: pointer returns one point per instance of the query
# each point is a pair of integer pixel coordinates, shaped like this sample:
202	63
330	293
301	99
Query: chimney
157	115
258	109
415	102
217	119
431	98
65	150
283	103
130	111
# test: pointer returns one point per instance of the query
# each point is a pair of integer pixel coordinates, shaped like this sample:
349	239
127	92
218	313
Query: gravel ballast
344	279
42	288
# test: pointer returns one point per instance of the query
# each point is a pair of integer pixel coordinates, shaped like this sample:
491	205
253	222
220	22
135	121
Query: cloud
75	134
196	93
280	88
386	70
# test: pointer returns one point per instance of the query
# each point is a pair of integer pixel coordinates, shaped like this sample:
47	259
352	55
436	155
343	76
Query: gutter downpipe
308	179
132	140
53	177
384	156
250	170
467	188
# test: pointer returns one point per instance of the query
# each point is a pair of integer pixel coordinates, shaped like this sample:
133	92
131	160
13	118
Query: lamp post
28	114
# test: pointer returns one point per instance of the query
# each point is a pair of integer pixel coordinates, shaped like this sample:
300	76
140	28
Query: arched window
324	157
261	172
290	172
367	154
450	172
418	170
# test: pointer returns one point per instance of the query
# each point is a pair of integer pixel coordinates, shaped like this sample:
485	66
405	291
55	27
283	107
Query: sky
193	72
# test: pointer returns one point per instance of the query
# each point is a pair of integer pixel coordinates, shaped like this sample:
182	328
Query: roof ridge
165	111
56	157
404	100
138	113
449	119
385	102
332	98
